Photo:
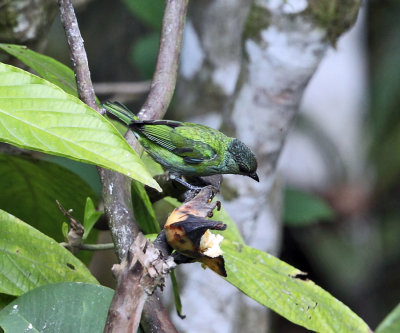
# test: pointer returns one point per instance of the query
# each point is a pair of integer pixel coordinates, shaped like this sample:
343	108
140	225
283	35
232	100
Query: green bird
188	149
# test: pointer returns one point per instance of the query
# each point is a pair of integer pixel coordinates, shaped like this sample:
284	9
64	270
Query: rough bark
26	21
211	53
283	43
141	271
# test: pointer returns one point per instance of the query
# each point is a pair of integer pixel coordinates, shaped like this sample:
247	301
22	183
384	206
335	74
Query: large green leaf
29	259
283	289
86	171
36	114
30	188
391	324
151	165
47	67
301	208
60	307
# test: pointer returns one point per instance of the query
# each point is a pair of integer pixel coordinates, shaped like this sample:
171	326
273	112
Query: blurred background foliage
345	236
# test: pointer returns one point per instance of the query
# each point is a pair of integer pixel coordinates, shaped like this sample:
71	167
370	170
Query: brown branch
128	88
142	270
164	79
154	314
116	191
78	54
76	230
116	187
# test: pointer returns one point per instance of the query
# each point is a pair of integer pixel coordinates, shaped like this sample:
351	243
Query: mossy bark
26	21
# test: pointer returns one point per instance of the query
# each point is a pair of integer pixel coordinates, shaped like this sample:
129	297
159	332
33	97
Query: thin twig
127	88
164	79
78	54
76	230
97	247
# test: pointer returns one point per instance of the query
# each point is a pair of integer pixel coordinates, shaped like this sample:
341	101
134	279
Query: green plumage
187	148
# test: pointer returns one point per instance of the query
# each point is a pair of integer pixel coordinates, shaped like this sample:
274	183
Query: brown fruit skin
185	227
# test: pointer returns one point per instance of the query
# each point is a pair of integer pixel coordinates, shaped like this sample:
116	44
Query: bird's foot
192	190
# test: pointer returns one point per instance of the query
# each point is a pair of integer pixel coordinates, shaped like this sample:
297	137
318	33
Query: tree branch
116	187
141	271
164	79
116	191
128	88
78	54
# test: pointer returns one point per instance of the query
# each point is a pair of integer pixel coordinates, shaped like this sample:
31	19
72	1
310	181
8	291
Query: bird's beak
254	176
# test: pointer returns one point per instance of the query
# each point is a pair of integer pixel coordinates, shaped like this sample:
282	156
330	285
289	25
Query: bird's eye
243	169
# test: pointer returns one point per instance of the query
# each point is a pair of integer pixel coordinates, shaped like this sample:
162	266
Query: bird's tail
120	111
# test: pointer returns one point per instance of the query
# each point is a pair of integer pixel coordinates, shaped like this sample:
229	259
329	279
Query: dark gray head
244	159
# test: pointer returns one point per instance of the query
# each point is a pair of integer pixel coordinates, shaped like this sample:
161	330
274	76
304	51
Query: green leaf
144	54
91	217
144	212
88	172
283	289
29	259
47	67
301	208
150	12
232	232
64	230
60	307
151	237
152	166
391	324
31	187
35	114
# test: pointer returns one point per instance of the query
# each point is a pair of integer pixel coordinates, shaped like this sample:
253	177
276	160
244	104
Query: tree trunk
282	43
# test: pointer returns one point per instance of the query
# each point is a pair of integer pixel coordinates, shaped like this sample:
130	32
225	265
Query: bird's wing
194	143
180	139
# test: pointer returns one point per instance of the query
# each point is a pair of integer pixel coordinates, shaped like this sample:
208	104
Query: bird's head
245	161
